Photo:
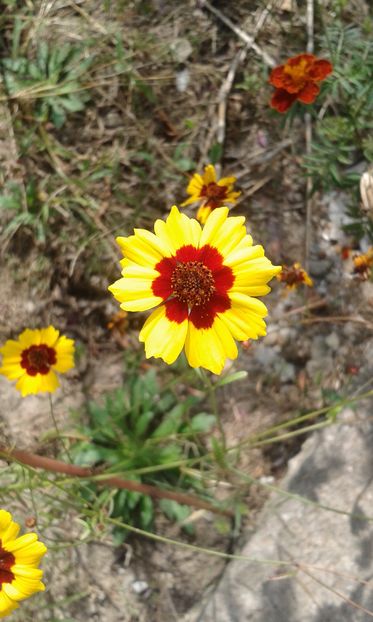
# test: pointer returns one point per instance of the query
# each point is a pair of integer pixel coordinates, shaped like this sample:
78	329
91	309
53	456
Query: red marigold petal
161	286
202	316
210	257
276	77
224	280
309	93
320	69
282	100
176	311
187	253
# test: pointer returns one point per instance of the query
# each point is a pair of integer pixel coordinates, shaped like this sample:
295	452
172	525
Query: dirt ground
122	162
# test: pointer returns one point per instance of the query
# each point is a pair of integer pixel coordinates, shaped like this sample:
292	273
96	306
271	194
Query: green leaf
215	153
238	375
202	422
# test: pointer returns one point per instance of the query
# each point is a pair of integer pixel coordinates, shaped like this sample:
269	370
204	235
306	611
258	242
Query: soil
307	360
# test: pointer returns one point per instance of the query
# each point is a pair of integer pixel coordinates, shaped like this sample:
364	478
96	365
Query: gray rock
329	553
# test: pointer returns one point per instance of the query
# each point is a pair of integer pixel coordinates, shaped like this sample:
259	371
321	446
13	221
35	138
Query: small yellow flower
204	283
20	576
34	358
210	192
293	276
363	264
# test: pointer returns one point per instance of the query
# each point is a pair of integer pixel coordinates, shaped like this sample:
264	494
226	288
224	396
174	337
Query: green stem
211	390
59	435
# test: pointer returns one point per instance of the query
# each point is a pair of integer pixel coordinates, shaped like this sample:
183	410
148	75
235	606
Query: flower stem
211	390
58	433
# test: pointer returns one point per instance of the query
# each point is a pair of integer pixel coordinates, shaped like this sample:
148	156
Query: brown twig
244	36
57	466
340	318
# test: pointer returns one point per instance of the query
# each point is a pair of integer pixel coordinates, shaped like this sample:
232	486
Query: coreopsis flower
298	80
210	193
20	576
34	359
363	264
293	276
203	283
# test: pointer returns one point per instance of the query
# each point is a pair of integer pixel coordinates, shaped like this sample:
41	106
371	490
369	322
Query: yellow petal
5	520
229	236
7	605
29	338
27	572
12	349
28	385
209	176
178	230
134	294
243	255
163	338
10	533
139	251
203	213
213	225
209	347
12	372
227	181
49	382
195	185
49	336
243	323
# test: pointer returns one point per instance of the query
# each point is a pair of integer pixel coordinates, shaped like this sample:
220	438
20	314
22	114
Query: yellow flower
294	276
363	263
34	358
202	282
19	560
209	192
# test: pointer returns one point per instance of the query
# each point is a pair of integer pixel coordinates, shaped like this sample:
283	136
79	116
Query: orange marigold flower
210	192
363	263
294	276
297	80
34	359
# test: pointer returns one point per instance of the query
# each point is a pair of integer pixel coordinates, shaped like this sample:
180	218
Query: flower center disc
214	191
192	282
298	73
7	560
38	359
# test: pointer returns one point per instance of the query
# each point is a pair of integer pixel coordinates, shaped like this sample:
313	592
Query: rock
329	554
320	267
181	49
332	341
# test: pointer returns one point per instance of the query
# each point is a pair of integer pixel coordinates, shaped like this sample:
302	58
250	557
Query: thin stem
59	435
211	390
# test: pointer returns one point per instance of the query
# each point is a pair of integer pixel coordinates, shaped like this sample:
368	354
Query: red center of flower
194	285
192	282
292	276
7	561
214	194
38	359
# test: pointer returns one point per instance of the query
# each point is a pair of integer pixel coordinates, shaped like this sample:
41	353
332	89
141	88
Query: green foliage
25	208
52	80
343	136
142	432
